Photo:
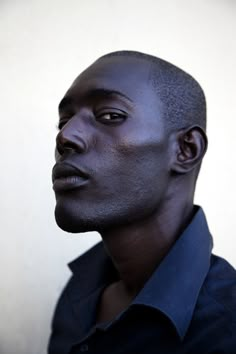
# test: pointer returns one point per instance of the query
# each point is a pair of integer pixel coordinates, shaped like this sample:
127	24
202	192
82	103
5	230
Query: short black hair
181	96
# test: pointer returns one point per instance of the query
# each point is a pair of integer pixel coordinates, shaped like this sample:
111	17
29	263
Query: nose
71	137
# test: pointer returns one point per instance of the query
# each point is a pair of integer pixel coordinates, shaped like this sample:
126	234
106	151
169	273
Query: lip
66	177
68	183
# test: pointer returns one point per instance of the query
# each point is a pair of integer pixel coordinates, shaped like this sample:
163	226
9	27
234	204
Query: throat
113	301
136	250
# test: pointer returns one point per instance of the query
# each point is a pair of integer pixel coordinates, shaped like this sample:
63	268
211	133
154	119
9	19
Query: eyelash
61	124
115	117
119	117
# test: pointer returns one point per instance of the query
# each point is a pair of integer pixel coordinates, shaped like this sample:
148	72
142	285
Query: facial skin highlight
111	129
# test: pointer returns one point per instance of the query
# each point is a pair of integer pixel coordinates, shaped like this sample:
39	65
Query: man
130	144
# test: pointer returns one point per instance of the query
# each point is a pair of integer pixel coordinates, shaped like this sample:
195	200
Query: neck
137	249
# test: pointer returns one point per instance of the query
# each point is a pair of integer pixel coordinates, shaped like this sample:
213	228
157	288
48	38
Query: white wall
44	45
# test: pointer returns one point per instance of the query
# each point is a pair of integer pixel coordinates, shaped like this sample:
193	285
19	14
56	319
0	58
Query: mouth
67	177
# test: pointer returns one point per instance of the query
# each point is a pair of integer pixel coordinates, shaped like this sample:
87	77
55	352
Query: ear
190	147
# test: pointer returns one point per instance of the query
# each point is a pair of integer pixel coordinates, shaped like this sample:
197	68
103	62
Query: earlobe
190	147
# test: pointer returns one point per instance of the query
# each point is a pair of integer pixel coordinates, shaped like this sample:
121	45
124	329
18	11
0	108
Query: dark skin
139	179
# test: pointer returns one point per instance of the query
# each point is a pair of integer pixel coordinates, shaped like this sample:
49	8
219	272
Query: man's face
111	130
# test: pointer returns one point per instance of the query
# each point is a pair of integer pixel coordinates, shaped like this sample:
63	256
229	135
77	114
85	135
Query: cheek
140	166
149	154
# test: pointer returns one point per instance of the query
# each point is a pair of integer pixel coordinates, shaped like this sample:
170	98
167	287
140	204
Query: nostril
64	143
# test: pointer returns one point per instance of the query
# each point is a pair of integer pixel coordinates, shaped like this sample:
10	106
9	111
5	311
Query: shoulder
63	322
220	285
214	317
89	271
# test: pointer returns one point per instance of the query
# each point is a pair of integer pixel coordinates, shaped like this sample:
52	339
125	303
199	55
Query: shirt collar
174	286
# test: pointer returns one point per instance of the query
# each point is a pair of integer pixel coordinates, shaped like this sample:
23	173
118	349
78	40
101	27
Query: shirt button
84	348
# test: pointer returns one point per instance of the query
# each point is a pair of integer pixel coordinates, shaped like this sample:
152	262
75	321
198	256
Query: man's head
132	138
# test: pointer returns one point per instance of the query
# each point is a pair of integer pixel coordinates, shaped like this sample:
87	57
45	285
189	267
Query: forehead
129	76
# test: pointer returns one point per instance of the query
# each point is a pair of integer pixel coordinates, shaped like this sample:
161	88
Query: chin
74	221
84	222
78	218
69	224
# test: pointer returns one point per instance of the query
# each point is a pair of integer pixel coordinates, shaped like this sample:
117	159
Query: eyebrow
67	102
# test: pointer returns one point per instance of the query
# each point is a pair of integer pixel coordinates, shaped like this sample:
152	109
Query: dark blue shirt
187	306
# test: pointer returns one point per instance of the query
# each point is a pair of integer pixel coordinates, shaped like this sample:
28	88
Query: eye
61	123
111	117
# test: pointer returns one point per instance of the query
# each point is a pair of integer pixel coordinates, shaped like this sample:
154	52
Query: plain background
44	45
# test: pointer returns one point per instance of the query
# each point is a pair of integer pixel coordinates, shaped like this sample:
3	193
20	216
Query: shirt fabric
188	305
